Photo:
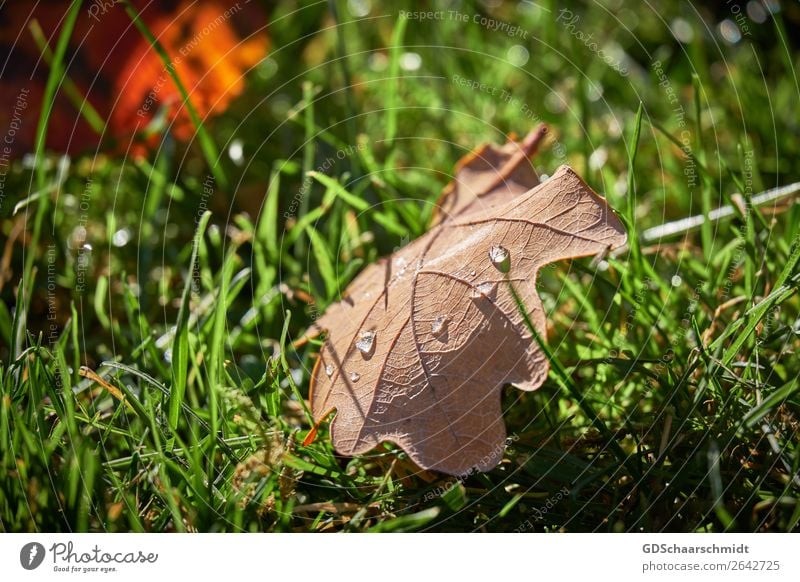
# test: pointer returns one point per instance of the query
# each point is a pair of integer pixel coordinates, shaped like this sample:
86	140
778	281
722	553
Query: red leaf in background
212	44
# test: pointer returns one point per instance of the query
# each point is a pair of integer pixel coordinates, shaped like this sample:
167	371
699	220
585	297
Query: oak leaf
421	345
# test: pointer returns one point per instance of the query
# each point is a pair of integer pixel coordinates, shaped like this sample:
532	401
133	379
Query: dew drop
486	289
756	12
439	325
500	258
366	343
355	376
729	31
329	370
359	8
236	152
518	55
410	61
682	30
472	274
121	237
598	158
378	62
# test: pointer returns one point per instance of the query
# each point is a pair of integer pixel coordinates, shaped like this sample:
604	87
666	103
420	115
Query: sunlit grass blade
324	262
78	100
180	343
392	107
54	79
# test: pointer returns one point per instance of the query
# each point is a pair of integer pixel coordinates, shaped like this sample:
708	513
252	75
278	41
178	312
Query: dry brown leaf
420	347
489	176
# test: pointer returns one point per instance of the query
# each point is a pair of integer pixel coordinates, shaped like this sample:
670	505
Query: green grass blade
340	191
180	343
324	262
54	80
78	100
216	363
392	89
630	211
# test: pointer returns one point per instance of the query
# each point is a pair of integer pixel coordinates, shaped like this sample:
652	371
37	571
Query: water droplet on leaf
355	376
329	370
366	343
486	289
439	325
500	258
